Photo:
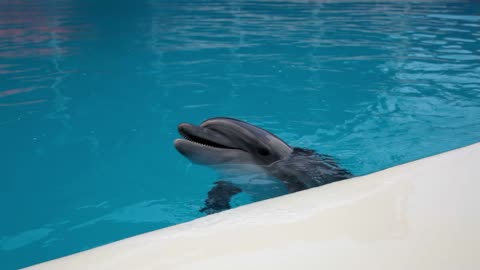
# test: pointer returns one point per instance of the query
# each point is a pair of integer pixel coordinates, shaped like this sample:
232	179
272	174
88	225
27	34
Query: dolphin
234	147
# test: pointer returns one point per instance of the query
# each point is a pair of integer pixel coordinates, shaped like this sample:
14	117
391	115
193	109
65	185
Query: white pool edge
420	215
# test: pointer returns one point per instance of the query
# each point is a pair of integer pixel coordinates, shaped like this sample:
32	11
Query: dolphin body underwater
250	156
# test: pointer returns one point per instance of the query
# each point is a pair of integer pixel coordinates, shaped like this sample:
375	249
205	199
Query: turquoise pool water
91	93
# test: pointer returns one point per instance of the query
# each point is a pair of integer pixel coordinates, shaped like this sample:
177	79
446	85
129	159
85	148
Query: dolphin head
226	141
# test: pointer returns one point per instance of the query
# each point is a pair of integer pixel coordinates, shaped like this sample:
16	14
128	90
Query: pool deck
420	215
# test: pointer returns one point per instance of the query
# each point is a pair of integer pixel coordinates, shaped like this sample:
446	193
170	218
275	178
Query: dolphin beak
204	136
204	146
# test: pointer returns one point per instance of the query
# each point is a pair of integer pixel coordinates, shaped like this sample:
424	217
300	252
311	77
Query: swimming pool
91	93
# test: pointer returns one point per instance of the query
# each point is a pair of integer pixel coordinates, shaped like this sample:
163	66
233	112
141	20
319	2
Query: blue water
91	93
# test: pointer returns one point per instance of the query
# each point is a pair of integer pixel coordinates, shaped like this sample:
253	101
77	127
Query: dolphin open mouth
223	142
189	136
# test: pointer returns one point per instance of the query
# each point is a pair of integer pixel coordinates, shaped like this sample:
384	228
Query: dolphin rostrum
234	147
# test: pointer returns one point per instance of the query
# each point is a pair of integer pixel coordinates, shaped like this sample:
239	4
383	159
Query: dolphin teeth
188	138
204	142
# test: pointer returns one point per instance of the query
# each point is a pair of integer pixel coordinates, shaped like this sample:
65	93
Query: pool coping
420	215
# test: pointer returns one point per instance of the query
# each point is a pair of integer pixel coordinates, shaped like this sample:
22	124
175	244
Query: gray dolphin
234	147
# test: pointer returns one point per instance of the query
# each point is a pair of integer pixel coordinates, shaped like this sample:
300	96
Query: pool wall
420	215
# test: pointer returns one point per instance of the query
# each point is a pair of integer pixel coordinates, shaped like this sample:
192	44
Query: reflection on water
91	93
23	239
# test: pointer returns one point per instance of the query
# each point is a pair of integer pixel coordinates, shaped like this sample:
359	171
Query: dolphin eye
263	151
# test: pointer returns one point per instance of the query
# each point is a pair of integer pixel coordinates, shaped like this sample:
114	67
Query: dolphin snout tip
181	127
177	143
